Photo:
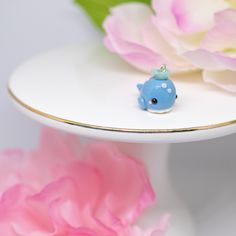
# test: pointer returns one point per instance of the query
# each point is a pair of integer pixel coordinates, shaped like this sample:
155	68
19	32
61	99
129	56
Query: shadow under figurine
158	94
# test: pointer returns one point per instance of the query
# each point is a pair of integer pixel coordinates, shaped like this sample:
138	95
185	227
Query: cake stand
87	91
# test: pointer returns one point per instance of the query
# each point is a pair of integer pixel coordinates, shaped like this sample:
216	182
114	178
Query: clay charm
158	94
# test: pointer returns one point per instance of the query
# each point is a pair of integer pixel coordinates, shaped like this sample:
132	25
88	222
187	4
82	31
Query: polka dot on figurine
164	85
169	90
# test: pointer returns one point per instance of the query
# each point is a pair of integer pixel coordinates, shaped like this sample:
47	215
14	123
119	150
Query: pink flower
158	230
54	191
184	34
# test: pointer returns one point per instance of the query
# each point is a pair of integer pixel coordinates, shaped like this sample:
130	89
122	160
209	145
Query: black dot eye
176	96
154	101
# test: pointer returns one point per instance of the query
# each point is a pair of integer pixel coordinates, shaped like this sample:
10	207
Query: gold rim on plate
123	130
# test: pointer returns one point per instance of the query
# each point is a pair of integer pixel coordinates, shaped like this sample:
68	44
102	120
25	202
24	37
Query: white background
203	172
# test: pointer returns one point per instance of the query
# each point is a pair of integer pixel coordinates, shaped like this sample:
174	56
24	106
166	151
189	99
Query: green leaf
99	9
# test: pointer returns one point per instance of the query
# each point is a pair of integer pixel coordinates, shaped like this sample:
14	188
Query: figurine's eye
154	101
176	96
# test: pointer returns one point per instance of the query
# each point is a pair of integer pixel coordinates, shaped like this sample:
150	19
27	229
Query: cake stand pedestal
87	91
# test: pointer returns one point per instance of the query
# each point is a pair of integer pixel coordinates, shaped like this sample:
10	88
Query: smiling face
157	95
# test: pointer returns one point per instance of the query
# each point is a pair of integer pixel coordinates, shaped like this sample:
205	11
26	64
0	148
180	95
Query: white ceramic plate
88	91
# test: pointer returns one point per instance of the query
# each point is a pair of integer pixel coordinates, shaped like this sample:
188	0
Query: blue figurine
158	94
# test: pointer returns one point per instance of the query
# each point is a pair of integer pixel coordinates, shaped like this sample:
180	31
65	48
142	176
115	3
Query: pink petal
212	61
222	37
83	232
137	55
132	34
69	212
22	232
126	20
56	149
154	40
6	229
14	212
55	146
12	162
181	42
54	152
12	199
120	169
185	14
179	23
124	36
160	229
76	194
164	16
162	226
223	79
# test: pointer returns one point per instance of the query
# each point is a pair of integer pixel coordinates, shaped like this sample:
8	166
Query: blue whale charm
158	94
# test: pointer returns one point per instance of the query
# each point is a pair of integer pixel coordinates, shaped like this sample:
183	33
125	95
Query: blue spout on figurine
158	94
